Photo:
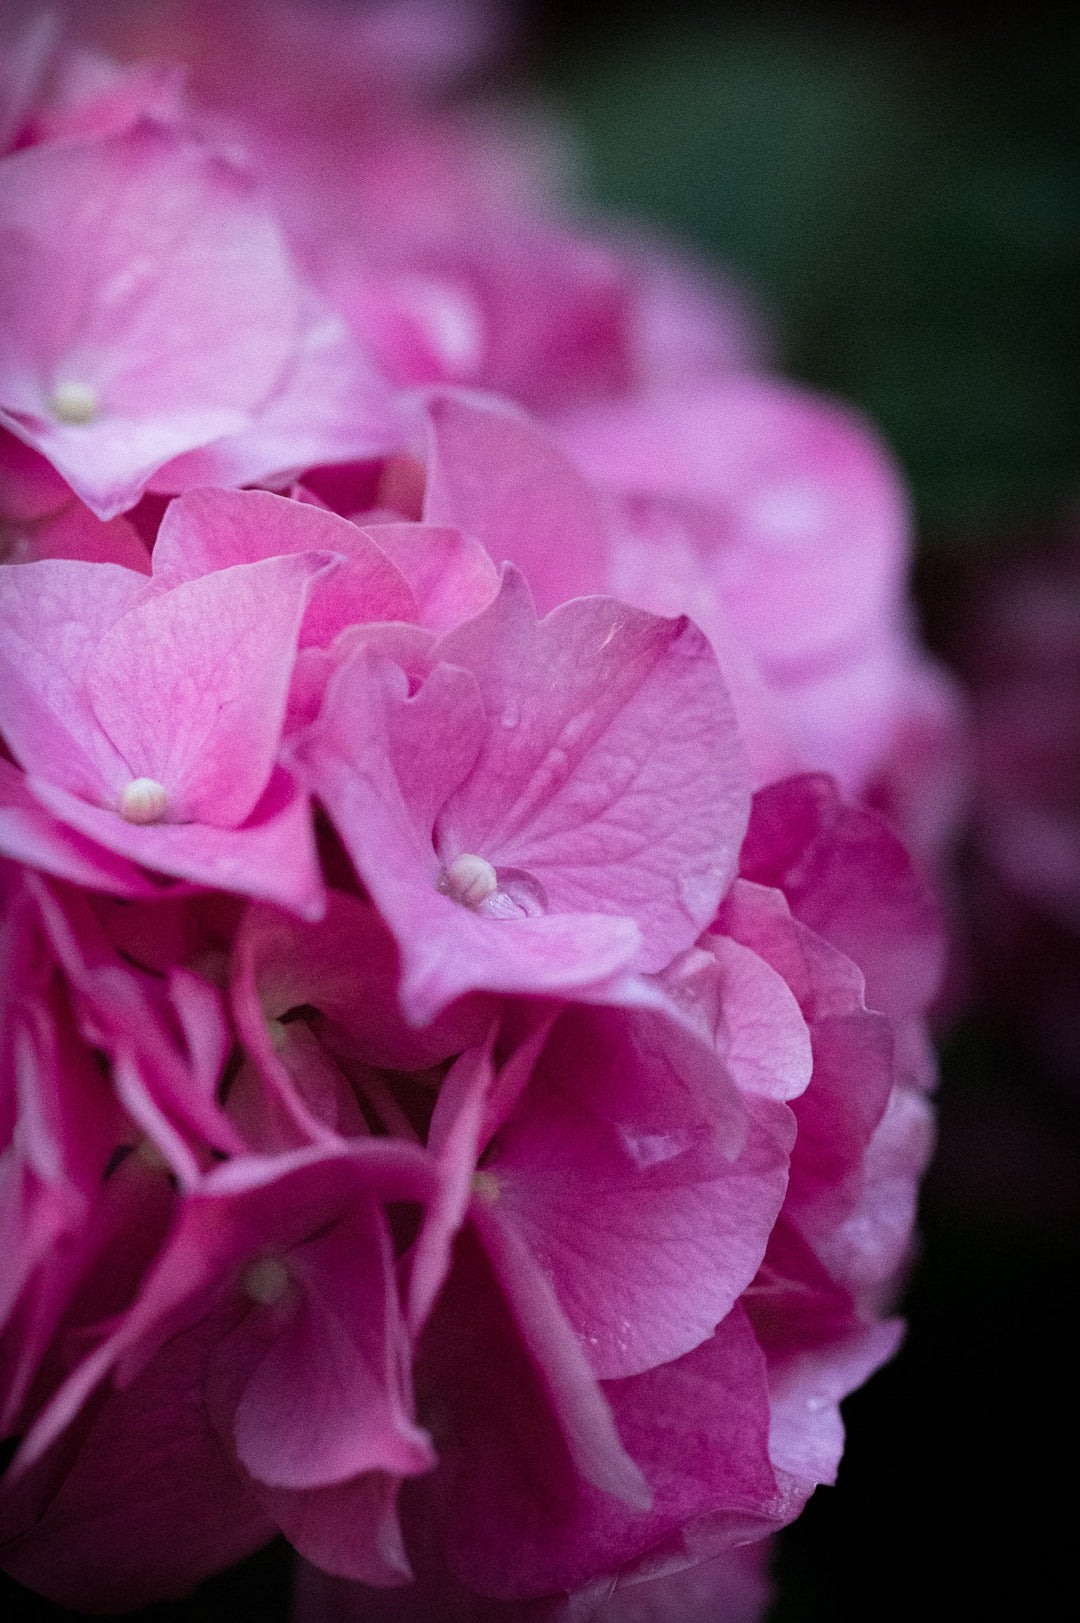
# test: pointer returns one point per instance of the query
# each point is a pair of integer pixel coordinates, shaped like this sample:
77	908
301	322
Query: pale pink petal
329	405
190	686
500	479
811	525
148	274
53	615
453	578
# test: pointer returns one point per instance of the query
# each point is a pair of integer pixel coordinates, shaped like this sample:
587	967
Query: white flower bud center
143	800
469	880
74	403
266	1280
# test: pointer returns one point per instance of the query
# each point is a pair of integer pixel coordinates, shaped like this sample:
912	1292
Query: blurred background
900	190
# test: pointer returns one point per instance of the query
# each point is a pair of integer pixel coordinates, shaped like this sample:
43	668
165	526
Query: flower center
486	1186
143	800
266	1280
469	880
74	403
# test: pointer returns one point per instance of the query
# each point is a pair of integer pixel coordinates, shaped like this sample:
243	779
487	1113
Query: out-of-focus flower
1018	643
462	1066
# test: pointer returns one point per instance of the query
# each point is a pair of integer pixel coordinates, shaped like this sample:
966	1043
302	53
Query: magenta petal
575	1396
76	533
646	1230
697	1428
848	877
247	1209
455	1138
348	968
152	1487
350	1530
322	1406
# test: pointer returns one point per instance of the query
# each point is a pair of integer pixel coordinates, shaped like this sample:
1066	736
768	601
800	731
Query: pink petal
191	685
53	615
329	406
646	1230
447	951
812	528
451	575
199	333
150	1485
847	876
272	856
611	771
498	478
350	1529
209	530
322	1405
31	835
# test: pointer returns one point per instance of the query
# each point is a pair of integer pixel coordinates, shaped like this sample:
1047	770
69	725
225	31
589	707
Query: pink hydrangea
562	1134
462	1053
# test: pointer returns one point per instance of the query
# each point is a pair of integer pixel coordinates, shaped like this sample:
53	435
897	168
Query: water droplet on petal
469	880
266	1280
519	896
143	800
74	403
511	713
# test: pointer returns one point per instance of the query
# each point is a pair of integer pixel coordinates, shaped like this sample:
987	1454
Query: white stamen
74	403
266	1280
469	880
143	800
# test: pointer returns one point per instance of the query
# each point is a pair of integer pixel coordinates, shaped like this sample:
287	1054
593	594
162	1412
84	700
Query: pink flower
462	1053
149	722
558	801
777	522
163	316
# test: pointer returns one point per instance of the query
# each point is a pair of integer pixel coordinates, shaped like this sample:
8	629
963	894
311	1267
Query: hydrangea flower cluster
463	1046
